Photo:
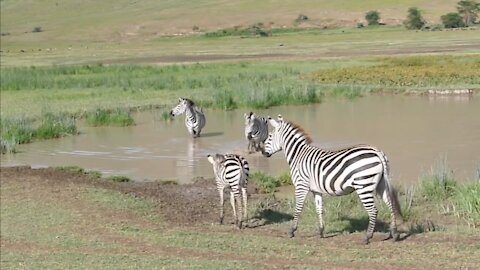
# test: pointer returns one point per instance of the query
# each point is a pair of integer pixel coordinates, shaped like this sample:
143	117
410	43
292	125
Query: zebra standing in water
194	117
256	131
232	171
363	169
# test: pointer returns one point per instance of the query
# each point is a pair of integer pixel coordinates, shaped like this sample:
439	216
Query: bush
301	18
414	19
452	20
372	17
268	184
55	126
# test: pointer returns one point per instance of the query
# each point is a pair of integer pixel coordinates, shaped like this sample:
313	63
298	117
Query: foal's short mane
189	102
308	140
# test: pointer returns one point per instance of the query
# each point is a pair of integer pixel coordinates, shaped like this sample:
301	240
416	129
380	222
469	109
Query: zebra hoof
291	234
396	237
366	241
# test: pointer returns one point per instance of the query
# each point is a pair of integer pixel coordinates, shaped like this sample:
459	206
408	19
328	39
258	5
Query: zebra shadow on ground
211	134
266	217
361	225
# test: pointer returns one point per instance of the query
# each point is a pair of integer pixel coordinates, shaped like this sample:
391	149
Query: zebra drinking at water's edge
194	117
363	169
231	171
256	131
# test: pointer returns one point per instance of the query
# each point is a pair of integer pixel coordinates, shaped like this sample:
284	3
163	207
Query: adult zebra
194	117
231	171
363	169
256	131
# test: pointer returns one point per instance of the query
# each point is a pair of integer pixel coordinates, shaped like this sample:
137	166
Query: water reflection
412	130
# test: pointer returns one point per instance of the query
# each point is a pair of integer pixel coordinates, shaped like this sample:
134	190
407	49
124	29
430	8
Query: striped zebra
194	117
363	169
231	171
256	131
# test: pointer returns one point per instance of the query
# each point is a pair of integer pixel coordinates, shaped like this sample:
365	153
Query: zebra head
273	144
216	160
249	122
182	105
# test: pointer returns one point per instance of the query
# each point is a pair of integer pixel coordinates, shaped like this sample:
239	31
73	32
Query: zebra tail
391	190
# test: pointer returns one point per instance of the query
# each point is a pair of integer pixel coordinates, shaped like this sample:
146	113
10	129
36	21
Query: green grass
408	73
104	117
19	130
118	178
269	184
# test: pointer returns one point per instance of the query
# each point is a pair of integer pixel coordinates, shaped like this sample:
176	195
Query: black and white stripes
363	169
232	171
194	117
256	131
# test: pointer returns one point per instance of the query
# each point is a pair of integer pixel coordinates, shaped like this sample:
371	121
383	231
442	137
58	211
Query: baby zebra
194	117
256	131
231	171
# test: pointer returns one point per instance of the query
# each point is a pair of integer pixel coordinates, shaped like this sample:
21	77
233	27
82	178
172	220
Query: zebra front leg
222	202
300	195
319	206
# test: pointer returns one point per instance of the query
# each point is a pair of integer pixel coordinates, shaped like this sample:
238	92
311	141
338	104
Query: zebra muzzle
265	154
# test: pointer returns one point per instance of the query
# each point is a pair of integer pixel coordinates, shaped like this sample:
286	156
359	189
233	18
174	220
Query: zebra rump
231	171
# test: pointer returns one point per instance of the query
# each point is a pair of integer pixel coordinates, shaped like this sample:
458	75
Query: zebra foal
231	171
256	131
363	169
194	117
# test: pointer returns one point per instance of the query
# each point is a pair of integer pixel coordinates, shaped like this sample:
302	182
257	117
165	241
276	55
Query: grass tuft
118	178
104	117
269	184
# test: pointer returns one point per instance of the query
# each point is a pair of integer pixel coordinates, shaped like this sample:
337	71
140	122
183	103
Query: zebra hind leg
368	201
236	204
222	202
383	191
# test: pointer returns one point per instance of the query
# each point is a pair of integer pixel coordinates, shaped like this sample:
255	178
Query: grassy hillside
111	19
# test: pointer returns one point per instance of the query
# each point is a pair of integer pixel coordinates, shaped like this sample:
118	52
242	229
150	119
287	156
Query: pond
416	132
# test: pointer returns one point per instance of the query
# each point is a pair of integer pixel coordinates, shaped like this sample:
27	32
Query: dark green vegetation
269	184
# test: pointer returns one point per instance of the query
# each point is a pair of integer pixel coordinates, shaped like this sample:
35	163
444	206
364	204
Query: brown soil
193	207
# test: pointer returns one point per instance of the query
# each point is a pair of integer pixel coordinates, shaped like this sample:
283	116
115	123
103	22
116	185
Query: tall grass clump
269	184
438	184
104	117
14	131
55	126
467	203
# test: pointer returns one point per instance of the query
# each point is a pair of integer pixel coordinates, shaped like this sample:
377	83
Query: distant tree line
466	15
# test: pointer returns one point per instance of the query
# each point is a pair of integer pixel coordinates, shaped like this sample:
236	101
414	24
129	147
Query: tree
452	20
414	19
468	9
372	17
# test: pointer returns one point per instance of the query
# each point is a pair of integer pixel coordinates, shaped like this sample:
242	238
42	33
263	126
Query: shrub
467	202
301	18
268	184
439	184
372	17
452	20
468	9
414	19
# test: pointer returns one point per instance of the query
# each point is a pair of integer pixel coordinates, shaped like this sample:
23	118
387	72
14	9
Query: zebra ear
180	99
280	118
210	159
272	122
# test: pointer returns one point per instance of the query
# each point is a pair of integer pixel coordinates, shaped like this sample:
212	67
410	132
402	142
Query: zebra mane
299	129
190	102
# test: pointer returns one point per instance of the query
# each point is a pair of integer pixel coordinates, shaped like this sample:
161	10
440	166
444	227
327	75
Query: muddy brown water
416	133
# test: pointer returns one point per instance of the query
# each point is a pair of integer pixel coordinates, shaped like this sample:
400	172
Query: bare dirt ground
194	207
